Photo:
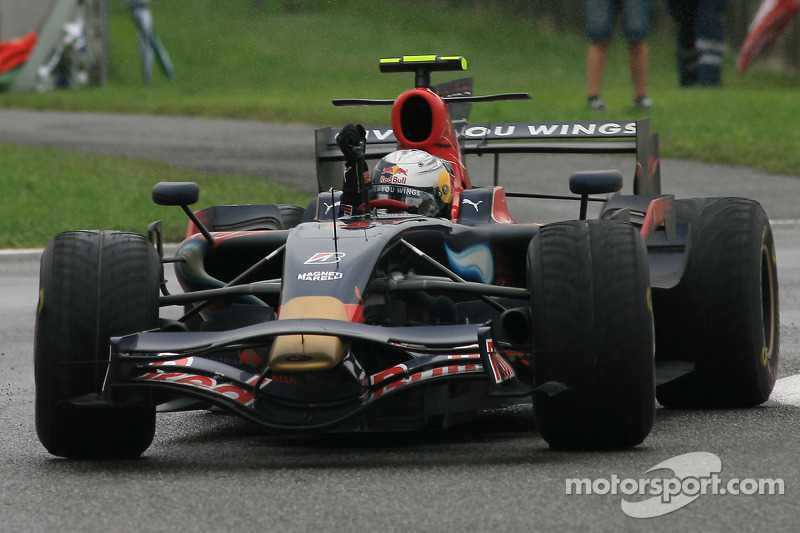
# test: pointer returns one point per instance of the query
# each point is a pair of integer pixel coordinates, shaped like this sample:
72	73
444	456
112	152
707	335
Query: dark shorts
601	18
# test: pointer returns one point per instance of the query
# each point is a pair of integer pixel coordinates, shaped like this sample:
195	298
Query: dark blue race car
403	297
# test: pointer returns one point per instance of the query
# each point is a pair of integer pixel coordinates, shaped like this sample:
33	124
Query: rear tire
93	285
593	333
724	315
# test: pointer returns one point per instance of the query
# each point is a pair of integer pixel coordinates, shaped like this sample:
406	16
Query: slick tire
723	316
592	330
93	285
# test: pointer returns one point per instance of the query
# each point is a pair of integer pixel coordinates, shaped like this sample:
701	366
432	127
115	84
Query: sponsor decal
426	375
524	130
324	258
389	372
227	389
403	368
521	130
476	262
393	174
551	129
319	276
473	204
385	134
392	190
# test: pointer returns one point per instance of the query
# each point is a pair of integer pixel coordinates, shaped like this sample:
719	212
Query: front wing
449	370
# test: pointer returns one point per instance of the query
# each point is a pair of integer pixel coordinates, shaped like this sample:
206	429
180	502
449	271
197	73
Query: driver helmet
413	181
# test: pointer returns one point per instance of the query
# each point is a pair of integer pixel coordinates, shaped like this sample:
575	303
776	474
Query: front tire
593	334
93	285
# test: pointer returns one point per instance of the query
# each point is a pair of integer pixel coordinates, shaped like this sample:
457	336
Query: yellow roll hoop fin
433	62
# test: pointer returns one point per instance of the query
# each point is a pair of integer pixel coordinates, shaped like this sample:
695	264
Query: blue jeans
601	17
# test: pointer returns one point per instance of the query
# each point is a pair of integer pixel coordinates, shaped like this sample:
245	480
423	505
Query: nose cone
308	353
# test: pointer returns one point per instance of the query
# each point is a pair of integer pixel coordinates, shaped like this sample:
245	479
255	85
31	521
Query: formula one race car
405	298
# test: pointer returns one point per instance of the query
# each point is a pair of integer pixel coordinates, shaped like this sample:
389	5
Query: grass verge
49	191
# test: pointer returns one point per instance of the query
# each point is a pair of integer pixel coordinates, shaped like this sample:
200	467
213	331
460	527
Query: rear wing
593	137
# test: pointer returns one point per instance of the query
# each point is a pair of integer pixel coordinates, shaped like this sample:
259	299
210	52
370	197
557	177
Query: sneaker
596	103
642	102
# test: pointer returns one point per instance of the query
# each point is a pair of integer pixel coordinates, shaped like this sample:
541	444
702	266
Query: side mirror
176	193
594	182
182	194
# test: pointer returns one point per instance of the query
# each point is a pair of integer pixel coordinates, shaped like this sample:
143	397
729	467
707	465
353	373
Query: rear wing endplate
593	137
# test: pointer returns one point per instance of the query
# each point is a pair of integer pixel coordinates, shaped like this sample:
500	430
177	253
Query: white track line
787	391
785	222
21	251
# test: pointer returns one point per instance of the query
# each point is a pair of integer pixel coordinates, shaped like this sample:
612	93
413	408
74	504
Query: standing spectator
710	41
149	44
700	40
684	13
601	17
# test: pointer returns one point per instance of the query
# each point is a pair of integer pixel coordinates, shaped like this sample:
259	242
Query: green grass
285	62
48	191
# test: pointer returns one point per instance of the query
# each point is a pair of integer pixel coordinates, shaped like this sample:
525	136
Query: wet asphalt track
212	472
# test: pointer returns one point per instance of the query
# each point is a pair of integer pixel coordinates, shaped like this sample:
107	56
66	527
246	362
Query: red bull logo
393	174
